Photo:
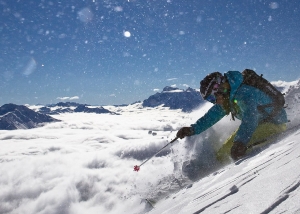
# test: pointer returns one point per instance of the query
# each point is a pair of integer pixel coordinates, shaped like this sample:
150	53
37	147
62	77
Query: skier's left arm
213	115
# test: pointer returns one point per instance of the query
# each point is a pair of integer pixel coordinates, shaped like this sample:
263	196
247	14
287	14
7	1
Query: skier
252	106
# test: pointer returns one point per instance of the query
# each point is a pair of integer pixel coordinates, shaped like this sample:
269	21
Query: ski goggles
212	96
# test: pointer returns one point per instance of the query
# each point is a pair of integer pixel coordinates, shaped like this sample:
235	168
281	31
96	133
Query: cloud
87	171
68	98
156	90
74	98
171	79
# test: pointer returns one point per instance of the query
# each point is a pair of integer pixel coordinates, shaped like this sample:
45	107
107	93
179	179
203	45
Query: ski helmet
207	84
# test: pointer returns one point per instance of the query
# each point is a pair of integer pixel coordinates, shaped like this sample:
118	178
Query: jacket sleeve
213	115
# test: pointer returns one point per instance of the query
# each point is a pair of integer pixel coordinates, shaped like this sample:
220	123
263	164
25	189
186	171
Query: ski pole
137	168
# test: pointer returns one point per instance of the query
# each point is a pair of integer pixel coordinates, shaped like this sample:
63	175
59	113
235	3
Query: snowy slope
268	182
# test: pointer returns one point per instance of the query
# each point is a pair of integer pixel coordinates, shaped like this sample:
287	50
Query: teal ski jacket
244	102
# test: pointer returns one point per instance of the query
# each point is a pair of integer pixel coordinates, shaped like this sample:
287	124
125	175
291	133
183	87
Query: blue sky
118	52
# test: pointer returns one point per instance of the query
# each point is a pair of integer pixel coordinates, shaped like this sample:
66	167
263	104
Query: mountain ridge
175	98
14	116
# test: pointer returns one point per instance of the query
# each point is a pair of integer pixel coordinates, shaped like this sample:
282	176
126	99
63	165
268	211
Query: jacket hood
235	79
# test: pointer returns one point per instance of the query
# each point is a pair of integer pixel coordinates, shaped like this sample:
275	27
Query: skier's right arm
213	115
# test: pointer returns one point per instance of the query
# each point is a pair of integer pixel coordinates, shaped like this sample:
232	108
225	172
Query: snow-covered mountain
292	99
14	116
20	117
284	86
293	94
175	98
70	107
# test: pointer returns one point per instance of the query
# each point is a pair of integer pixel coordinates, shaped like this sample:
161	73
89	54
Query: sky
105	52
84	164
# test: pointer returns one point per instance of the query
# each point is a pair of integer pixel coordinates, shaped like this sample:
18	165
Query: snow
173	91
284	85
263	183
84	164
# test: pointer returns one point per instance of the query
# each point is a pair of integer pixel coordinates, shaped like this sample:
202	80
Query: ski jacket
244	104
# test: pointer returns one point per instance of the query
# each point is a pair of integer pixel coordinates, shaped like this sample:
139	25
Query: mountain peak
20	117
169	88
187	100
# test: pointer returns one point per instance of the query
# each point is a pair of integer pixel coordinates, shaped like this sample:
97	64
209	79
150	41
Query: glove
238	150
185	131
